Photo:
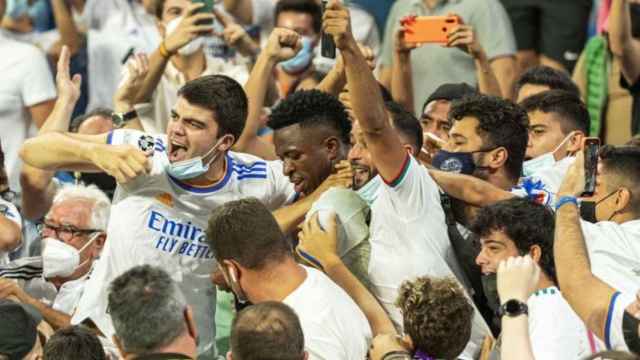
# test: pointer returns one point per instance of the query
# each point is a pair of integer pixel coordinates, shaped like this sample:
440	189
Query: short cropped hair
78	120
501	124
147	309
311	108
406	123
623	163
222	95
310	7
547	76
437	315
568	108
73	343
246	231
526	223
267	331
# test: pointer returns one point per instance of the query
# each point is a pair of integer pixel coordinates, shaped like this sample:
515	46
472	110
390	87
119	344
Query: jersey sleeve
613	334
145	142
10	211
412	189
281	191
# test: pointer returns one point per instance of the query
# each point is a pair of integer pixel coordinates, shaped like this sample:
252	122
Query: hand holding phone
327	45
591	149
206	9
428	29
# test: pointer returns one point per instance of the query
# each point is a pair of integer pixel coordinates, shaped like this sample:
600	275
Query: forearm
623	45
469	189
516	343
334	82
56	319
69	34
377	317
37	191
62	152
289	217
587	295
240	9
401	80
487	81
157	65
10	235
504	68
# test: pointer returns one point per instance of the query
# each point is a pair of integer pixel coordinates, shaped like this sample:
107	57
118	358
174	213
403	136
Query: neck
501	180
430	3
623	217
544	281
183	344
278	282
191	66
80	272
217	170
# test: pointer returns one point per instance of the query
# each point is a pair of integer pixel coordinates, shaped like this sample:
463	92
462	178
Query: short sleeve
494	30
282	190
613	334
141	140
412	188
10	211
37	84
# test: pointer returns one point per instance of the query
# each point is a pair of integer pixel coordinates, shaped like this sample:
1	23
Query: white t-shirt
26	81
334	327
408	237
614	252
613	334
555	330
9	211
161	221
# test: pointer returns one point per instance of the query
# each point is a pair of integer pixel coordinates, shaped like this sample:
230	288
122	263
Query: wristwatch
120	119
513	308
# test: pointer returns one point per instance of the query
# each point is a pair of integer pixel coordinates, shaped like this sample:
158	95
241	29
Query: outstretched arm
623	45
469	189
401	79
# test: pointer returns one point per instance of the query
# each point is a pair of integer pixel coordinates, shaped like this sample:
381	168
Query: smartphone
327	46
428	29
591	149
207	8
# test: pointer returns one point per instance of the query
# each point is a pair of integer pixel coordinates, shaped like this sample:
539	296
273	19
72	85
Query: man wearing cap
435	116
19	333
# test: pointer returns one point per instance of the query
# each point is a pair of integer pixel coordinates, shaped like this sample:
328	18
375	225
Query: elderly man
73	235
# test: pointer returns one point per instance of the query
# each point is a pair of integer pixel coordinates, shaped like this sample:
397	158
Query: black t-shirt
634	90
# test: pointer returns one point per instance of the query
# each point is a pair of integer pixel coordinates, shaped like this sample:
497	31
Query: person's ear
623	199
227	142
116	340
536	253
574	144
409	149
98	244
191	324
407	342
498	158
332	145
306	355
229	356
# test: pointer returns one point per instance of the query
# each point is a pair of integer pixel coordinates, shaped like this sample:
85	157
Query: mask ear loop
214	148
95	236
562	143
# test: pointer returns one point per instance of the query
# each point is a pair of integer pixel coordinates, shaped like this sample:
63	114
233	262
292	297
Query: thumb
77	80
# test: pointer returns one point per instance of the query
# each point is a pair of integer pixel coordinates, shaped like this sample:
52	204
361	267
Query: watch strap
513	308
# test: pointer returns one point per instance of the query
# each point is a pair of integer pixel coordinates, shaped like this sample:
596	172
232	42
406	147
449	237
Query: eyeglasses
64	232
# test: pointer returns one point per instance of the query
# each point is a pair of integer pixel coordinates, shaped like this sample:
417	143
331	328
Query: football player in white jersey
167	185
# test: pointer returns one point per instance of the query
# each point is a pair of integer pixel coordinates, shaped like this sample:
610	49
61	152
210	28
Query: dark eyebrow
491	241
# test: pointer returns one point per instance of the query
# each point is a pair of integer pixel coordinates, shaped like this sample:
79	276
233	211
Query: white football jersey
9	211
161	221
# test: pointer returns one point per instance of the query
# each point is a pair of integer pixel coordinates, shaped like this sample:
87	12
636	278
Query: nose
354	153
481	259
288	168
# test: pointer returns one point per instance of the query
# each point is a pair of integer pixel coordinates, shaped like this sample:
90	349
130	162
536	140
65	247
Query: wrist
165	51
566	200
330	263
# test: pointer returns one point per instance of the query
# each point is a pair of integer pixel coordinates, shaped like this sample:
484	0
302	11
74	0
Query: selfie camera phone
327	46
428	29
591	148
207	8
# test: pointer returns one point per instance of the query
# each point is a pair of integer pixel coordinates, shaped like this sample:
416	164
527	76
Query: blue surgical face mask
194	167
302	60
369	191
456	162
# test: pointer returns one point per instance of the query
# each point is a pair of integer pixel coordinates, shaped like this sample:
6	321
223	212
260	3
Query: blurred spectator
268	330
73	235
27	94
542	78
151	316
258	265
550	33
435	65
519	227
73	343
23	333
10	217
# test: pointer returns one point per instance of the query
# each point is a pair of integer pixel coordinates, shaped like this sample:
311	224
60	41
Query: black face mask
490	288
240	305
634	10
630	332
588	209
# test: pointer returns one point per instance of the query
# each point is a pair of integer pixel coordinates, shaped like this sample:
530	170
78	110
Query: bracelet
397	355
163	51
565	200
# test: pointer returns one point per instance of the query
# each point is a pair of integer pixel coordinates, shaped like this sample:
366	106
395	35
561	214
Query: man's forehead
74	211
541	118
187	110
437	109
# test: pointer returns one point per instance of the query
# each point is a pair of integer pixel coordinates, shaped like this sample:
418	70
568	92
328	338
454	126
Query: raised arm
366	100
37	187
69	34
283	44
322	245
623	45
401	79
240	9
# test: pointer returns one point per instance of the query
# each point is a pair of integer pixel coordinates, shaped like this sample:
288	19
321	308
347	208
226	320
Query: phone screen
591	149
207	8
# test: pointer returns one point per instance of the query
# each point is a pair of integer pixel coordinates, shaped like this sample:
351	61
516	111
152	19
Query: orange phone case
428	29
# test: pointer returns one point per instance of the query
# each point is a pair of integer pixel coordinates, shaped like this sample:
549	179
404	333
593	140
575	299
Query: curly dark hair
547	76
310	7
222	95
526	223
570	111
501	124
436	315
311	108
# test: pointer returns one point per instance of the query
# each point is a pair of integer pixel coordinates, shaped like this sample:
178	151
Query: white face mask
369	192
194	167
544	161
191	47
60	258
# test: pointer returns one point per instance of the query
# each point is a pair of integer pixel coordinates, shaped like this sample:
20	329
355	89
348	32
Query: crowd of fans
195	180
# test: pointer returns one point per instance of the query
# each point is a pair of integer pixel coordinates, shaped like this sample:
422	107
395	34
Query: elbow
11	238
